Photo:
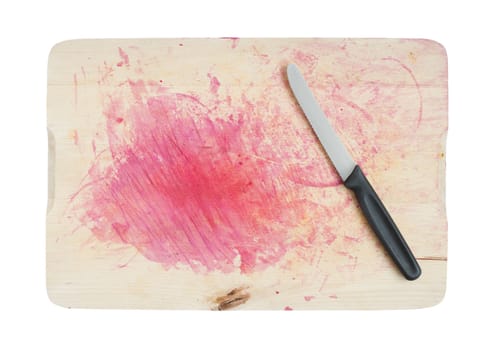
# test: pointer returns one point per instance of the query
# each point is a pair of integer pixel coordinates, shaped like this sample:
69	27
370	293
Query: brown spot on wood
235	297
412	57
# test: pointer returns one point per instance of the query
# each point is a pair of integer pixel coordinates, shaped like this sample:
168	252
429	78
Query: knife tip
293	71
291	67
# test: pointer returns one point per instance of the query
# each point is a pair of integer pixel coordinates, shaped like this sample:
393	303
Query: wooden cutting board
183	175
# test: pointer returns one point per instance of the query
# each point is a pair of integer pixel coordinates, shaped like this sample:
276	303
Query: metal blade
333	146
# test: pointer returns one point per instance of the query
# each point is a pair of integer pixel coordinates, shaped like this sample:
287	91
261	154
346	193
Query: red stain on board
214	183
288	308
305	59
124	56
234	41
416	84
214	83
75	137
185	186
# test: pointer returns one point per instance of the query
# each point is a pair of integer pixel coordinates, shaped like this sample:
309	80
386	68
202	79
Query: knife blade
353	178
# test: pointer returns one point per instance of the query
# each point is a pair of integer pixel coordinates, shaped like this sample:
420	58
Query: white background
29	29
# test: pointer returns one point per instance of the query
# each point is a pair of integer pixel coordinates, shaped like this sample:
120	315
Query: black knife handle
382	224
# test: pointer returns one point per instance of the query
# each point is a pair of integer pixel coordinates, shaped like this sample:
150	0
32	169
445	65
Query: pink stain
75	137
185	186
306	59
234	41
416	84
308	297
353	106
329	236
288	308
352	239
264	58
124	57
214	84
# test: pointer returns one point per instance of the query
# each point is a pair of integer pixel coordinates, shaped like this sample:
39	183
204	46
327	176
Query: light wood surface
289	235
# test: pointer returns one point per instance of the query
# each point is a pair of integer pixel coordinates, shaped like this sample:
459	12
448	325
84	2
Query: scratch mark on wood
433	258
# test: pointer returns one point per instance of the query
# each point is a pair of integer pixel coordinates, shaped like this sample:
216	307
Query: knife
353	178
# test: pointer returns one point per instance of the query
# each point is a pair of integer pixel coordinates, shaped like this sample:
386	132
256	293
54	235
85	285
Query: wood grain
295	239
